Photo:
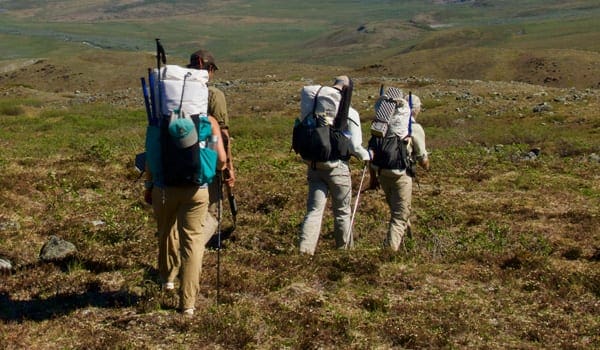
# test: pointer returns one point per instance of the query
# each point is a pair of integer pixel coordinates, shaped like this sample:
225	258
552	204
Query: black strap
314	109
410	117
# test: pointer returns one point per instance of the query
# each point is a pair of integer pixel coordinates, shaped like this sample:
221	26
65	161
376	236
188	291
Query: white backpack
183	87
327	104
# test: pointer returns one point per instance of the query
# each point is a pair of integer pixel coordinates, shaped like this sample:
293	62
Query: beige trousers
398	195
187	208
172	260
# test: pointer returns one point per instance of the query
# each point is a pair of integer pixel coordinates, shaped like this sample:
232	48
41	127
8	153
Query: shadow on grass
226	235
40	309
62	304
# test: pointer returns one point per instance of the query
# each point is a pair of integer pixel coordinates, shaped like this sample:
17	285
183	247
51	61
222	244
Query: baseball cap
204	57
183	132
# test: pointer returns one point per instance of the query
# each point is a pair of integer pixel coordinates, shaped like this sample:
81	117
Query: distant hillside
544	42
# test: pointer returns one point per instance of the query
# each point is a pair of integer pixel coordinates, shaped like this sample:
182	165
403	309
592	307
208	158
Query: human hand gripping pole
230	197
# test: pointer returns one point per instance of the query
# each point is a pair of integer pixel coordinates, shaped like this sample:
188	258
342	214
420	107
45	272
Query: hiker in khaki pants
181	212
217	109
396	183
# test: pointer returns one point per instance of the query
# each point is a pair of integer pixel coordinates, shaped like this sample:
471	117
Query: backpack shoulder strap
314	109
410	106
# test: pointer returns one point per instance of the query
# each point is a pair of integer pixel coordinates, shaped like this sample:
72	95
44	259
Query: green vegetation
503	251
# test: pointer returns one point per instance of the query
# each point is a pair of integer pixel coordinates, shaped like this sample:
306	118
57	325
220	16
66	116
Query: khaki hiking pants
322	182
187	208
398	195
210	227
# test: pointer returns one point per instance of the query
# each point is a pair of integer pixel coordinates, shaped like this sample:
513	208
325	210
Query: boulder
56	249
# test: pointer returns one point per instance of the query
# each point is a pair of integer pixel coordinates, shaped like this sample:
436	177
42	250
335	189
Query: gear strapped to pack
318	136
391	132
179	137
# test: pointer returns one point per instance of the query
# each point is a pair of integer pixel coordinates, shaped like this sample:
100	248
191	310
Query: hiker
217	109
332	176
182	209
396	180
184	151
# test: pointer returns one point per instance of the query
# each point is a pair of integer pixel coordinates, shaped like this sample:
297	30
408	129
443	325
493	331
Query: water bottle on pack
212	142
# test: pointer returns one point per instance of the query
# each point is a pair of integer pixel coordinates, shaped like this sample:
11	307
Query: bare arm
230	178
221	154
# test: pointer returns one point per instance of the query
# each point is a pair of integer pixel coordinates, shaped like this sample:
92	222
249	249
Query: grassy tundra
504	254
505	250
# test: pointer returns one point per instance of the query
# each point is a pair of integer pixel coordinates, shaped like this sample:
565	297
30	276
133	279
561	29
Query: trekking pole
350	242
160	57
219	216
410	116
140	158
410	121
153	103
146	100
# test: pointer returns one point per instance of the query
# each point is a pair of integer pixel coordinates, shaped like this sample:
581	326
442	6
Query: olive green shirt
217	106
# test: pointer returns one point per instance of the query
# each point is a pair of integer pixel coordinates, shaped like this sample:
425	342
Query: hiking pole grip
160	54
232	203
230	197
232	206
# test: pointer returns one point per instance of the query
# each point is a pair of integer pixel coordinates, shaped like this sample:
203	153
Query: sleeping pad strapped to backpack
391	133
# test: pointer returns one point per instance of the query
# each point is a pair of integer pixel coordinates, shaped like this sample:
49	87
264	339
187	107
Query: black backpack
390	150
317	141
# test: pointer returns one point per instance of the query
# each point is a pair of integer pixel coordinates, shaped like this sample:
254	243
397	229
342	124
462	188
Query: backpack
180	147
391	132
318	135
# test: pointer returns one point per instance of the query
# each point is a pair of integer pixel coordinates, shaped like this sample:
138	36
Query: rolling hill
554	43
